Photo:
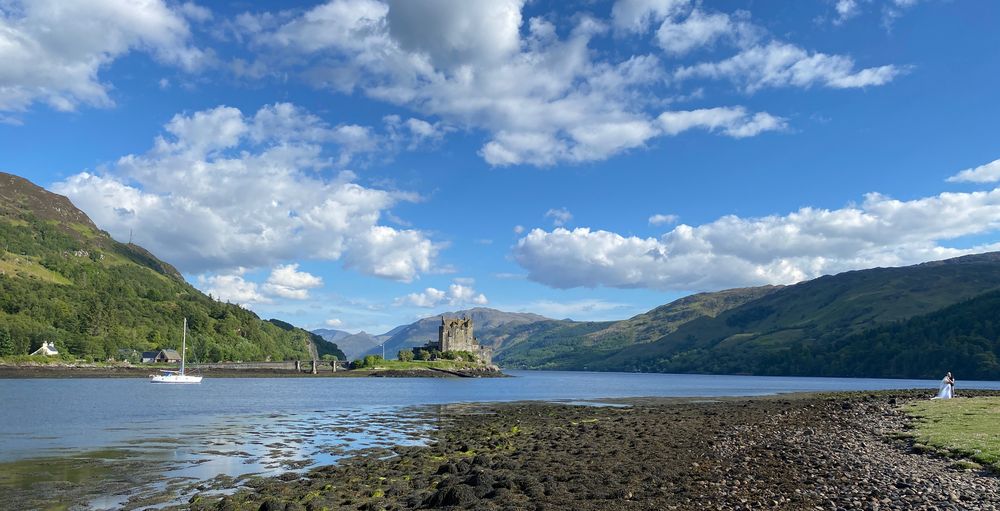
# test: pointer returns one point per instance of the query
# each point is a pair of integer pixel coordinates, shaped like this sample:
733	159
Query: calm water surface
239	426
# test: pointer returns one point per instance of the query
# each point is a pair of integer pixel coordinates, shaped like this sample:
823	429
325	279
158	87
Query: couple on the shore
947	390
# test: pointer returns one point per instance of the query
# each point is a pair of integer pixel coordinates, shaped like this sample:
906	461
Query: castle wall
457	335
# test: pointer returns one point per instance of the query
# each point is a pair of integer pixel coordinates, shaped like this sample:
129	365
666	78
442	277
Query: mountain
64	280
962	338
491	327
330	334
318	345
579	345
356	345
523	340
795	329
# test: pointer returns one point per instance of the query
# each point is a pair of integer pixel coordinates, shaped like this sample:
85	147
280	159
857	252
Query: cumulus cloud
333	323
846	9
543	94
222	189
778	64
735	122
661	219
287	282
232	287
734	251
460	292
53	50
559	217
638	15
988	173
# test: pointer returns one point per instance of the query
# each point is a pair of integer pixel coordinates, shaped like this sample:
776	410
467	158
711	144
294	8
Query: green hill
963	338
64	280
793	330
582	345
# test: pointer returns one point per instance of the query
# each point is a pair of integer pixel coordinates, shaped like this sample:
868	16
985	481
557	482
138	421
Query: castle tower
457	335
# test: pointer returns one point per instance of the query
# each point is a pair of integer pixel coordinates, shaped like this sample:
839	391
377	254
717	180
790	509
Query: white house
48	349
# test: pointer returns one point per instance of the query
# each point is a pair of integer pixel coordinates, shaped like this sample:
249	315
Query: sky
358	164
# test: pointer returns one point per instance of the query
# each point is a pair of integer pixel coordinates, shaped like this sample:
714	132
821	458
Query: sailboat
168	376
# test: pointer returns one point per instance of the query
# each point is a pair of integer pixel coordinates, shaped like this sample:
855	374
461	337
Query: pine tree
6	343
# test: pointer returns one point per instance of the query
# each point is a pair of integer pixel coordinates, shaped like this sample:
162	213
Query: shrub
405	355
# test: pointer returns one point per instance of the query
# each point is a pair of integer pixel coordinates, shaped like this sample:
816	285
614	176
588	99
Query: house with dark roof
164	356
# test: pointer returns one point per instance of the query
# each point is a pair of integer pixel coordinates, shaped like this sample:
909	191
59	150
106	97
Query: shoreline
92	371
785	451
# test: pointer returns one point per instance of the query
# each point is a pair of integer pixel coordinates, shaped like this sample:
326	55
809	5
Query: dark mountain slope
781	332
572	345
963	338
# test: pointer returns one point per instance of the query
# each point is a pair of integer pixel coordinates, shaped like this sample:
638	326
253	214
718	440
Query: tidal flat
802	451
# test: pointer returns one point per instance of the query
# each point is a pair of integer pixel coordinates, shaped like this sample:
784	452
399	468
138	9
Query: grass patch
964	427
450	365
29	267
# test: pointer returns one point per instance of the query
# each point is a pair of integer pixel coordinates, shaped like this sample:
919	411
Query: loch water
81	436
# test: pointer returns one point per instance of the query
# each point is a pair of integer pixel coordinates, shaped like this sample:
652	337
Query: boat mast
184	344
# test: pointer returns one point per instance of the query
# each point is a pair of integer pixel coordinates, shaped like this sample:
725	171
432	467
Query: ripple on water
152	468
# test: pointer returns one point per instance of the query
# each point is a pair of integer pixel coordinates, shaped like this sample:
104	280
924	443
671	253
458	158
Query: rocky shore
835	451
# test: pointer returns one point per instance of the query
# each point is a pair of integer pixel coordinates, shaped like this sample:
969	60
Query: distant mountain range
64	280
913	321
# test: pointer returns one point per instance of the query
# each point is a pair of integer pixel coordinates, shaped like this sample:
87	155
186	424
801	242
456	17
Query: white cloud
232	288
734	251
988	173
661	219
460	292
223	189
559	217
638	15
455	33
286	281
846	9
543	95
518	229
735	122
53	50
697	30
333	323
778	64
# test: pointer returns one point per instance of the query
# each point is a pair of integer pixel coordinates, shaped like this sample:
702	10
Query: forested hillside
583	345
963	338
63	280
859	323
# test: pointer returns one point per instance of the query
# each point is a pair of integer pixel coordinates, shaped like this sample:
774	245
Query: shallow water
98	443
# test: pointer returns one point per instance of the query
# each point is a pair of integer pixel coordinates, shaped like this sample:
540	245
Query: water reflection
159	464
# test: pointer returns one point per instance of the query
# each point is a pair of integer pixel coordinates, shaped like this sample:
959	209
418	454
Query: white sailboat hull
177	377
174	378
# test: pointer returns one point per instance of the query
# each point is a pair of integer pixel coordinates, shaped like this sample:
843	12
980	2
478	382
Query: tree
405	355
7	347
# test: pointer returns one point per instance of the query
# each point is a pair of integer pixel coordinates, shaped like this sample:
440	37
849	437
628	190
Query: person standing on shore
947	390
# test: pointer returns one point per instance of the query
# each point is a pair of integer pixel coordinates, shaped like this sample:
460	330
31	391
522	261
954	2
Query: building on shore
48	349
457	335
161	356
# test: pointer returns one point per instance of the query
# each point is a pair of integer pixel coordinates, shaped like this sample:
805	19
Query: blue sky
357	164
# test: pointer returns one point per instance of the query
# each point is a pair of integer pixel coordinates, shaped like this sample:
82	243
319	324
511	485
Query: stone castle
456	335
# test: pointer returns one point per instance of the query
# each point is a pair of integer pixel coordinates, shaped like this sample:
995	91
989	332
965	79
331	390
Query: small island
457	352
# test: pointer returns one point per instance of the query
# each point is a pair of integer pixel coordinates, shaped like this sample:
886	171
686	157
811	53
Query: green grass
424	364
968	428
29	267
